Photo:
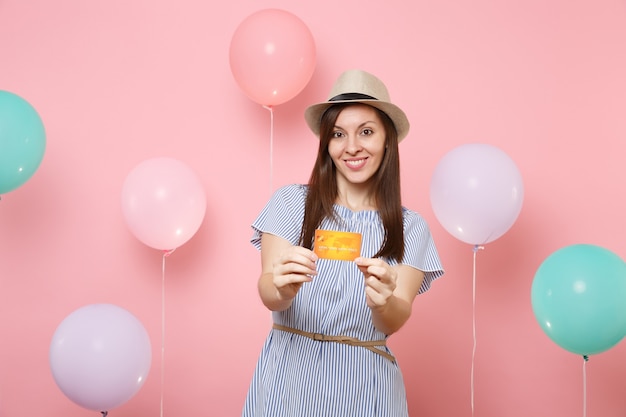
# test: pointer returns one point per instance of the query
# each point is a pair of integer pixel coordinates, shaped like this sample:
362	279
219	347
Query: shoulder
282	215
291	197
415	226
412	217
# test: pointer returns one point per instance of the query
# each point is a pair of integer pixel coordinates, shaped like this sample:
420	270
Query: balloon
272	56
578	298
100	356
22	141
476	193
163	203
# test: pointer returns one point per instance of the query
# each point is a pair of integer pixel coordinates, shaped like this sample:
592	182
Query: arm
284	268
390	292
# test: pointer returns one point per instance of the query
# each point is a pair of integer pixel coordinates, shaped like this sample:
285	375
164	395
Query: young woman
326	354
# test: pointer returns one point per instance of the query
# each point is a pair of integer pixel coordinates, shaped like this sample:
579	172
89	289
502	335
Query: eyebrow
359	126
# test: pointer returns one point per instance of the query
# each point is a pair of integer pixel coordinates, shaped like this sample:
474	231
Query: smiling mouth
355	163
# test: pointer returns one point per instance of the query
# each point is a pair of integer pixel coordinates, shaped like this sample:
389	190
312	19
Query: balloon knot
478	247
104	413
586	358
270	108
168	252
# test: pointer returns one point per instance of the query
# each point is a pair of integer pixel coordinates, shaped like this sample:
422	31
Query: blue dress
296	376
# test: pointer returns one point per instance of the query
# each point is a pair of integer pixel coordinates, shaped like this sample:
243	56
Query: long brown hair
322	192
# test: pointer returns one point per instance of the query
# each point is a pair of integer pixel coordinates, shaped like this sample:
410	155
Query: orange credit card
343	246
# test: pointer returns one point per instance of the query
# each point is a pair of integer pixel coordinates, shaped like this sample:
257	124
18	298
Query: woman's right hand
293	267
285	268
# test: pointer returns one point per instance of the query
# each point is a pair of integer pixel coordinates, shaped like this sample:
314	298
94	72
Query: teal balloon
22	141
579	298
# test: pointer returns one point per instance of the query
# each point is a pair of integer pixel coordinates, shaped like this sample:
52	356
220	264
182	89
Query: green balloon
579	298
22	141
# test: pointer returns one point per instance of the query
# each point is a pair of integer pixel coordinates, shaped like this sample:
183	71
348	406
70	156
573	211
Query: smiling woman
118	82
327	354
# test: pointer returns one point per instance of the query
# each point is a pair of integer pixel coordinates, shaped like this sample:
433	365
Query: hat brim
313	114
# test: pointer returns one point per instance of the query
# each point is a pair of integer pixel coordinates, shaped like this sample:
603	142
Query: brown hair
322	192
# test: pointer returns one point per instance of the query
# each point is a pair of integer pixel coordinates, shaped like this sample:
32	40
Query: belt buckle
319	337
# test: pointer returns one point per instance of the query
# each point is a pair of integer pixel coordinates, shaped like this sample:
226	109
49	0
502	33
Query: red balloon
272	56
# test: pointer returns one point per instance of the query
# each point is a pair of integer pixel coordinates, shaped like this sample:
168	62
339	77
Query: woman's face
357	145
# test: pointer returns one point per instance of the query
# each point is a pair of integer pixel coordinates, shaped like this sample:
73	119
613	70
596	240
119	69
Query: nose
353	145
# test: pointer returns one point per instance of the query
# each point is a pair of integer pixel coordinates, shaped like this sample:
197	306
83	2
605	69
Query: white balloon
476	193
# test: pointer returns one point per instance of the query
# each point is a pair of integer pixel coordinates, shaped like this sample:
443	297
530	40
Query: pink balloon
163	203
476	193
272	56
100	356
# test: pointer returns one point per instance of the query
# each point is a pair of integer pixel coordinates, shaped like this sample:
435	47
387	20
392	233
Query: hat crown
357	86
359	82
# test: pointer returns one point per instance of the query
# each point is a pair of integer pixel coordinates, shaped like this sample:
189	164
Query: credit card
331	244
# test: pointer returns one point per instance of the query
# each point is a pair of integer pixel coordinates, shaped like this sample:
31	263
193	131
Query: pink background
118	82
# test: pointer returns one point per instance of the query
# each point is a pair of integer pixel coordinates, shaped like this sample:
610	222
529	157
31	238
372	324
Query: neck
356	200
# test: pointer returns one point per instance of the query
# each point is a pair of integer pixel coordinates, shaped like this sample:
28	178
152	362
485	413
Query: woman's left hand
380	280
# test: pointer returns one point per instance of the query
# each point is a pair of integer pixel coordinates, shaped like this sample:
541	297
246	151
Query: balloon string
476	249
271	110
586	358
166	253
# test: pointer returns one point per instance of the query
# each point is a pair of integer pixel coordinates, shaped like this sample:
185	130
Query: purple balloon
100	356
476	193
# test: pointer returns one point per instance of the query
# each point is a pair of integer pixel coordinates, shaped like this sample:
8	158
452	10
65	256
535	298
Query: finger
307	253
379	272
298	263
374	297
382	273
366	262
293	268
380	286
290	279
373	283
299	256
369	263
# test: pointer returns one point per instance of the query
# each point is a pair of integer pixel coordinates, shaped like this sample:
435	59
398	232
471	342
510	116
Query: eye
337	134
367	131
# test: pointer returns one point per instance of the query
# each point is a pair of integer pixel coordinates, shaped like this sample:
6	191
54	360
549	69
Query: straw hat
357	86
